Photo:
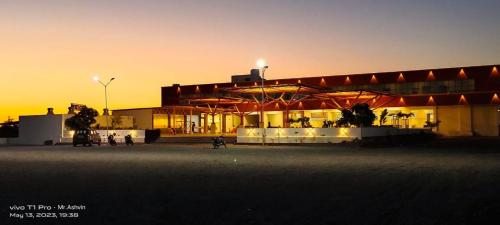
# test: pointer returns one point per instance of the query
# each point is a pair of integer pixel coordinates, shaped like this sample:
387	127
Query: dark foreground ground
191	184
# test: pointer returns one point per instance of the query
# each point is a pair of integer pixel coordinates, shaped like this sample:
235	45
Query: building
51	129
254	76
460	101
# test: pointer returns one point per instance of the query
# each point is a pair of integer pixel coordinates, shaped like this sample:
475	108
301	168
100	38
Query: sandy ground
192	184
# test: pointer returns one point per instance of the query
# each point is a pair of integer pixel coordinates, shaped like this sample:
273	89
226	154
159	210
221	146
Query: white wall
35	130
137	135
317	135
297	135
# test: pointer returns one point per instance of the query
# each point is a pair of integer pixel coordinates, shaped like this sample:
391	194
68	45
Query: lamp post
262	65
105	85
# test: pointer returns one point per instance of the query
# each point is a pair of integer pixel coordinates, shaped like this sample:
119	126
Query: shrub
359	115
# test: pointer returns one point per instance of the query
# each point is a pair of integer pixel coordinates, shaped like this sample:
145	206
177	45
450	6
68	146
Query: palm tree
404	116
383	117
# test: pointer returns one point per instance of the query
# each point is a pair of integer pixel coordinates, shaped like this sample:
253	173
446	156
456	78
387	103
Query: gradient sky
49	50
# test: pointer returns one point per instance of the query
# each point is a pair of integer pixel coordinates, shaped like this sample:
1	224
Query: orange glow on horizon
373	80
50	50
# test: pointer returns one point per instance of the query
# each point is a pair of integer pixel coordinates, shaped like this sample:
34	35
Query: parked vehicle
218	141
111	140
128	140
86	137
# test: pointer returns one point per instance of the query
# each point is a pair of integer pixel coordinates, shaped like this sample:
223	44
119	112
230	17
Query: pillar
223	118
286	113
212	125
184	122
205	123
190	121
169	125
199	121
173	118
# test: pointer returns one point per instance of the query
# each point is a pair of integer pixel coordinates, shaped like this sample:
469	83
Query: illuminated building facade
460	101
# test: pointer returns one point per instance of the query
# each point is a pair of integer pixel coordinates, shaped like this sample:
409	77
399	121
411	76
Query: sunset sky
50	50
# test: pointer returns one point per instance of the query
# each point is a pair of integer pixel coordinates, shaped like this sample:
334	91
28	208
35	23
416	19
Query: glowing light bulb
261	63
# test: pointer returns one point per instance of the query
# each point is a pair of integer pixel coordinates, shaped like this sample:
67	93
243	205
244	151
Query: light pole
262	65
106	110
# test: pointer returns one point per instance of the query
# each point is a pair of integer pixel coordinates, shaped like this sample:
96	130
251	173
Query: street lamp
106	110
262	65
